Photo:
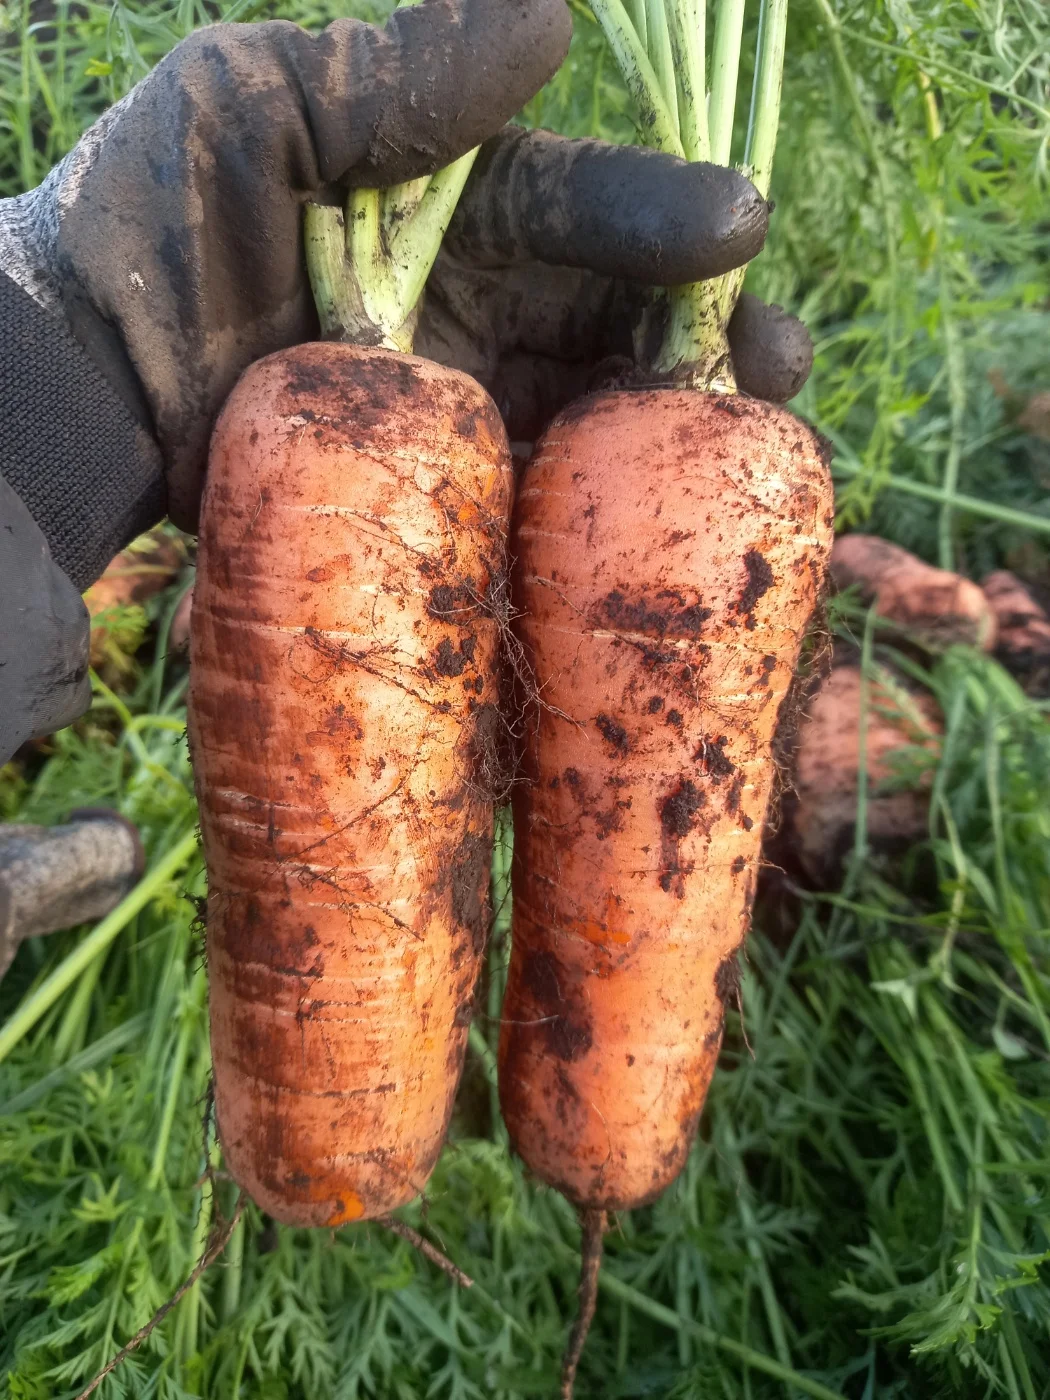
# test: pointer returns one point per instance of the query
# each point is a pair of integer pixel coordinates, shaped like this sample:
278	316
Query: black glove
170	244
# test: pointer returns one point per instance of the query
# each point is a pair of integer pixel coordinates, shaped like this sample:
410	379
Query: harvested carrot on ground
935	607
343	713
827	767
671	544
1023	643
145	568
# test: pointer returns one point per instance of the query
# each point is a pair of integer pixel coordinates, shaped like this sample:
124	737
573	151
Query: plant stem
763	120
725	68
765	94
658	25
655	123
369	264
337	292
665	75
696	344
757	1360
415	243
178	1069
990	510
688	36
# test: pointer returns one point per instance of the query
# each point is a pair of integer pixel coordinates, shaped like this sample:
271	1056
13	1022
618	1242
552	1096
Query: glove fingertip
772	350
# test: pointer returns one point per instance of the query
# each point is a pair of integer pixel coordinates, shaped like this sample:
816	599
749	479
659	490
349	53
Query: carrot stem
658	25
725	69
765	94
664	67
688	25
369	262
656	126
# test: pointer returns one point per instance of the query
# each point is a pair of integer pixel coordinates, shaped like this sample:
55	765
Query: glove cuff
70	446
44	634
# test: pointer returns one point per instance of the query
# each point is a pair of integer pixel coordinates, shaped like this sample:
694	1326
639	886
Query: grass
866	1213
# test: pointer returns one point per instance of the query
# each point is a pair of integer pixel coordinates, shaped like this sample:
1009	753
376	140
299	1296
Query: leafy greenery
867	1211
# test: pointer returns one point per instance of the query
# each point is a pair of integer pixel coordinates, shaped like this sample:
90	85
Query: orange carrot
933	606
343	711
1024	630
670	549
671	544
823	811
144	568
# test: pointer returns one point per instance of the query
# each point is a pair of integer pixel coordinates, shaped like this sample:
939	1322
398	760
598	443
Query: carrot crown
369	261
686	105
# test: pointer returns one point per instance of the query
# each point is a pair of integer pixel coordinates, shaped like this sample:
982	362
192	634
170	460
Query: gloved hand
164	254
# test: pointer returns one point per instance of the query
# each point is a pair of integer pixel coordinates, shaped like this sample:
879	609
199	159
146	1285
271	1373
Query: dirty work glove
164	255
541	282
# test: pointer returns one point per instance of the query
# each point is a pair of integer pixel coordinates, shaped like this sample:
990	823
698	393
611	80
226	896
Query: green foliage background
866	1213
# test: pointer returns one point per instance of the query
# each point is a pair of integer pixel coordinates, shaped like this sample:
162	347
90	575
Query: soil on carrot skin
459	608
662	671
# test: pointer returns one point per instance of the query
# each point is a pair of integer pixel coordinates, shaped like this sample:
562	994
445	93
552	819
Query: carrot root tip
593	1224
423	1246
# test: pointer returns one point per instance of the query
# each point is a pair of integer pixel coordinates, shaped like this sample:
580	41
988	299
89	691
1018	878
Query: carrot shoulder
343	711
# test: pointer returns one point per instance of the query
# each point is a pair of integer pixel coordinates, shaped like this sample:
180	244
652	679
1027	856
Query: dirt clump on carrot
934	607
667	568
344	683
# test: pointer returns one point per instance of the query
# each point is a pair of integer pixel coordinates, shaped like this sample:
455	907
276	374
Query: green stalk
847	464
658	24
765	94
763	120
171	1101
636	10
369	262
664	70
415	244
688	35
656	125
725	69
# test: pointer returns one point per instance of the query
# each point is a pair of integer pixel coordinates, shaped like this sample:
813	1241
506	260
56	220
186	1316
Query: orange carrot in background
147	566
933	607
1023	643
827	763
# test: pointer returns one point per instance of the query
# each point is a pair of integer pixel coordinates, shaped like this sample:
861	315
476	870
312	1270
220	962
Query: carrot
662	648
144	568
670	547
1023	630
827	769
342	711
344	692
934	607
